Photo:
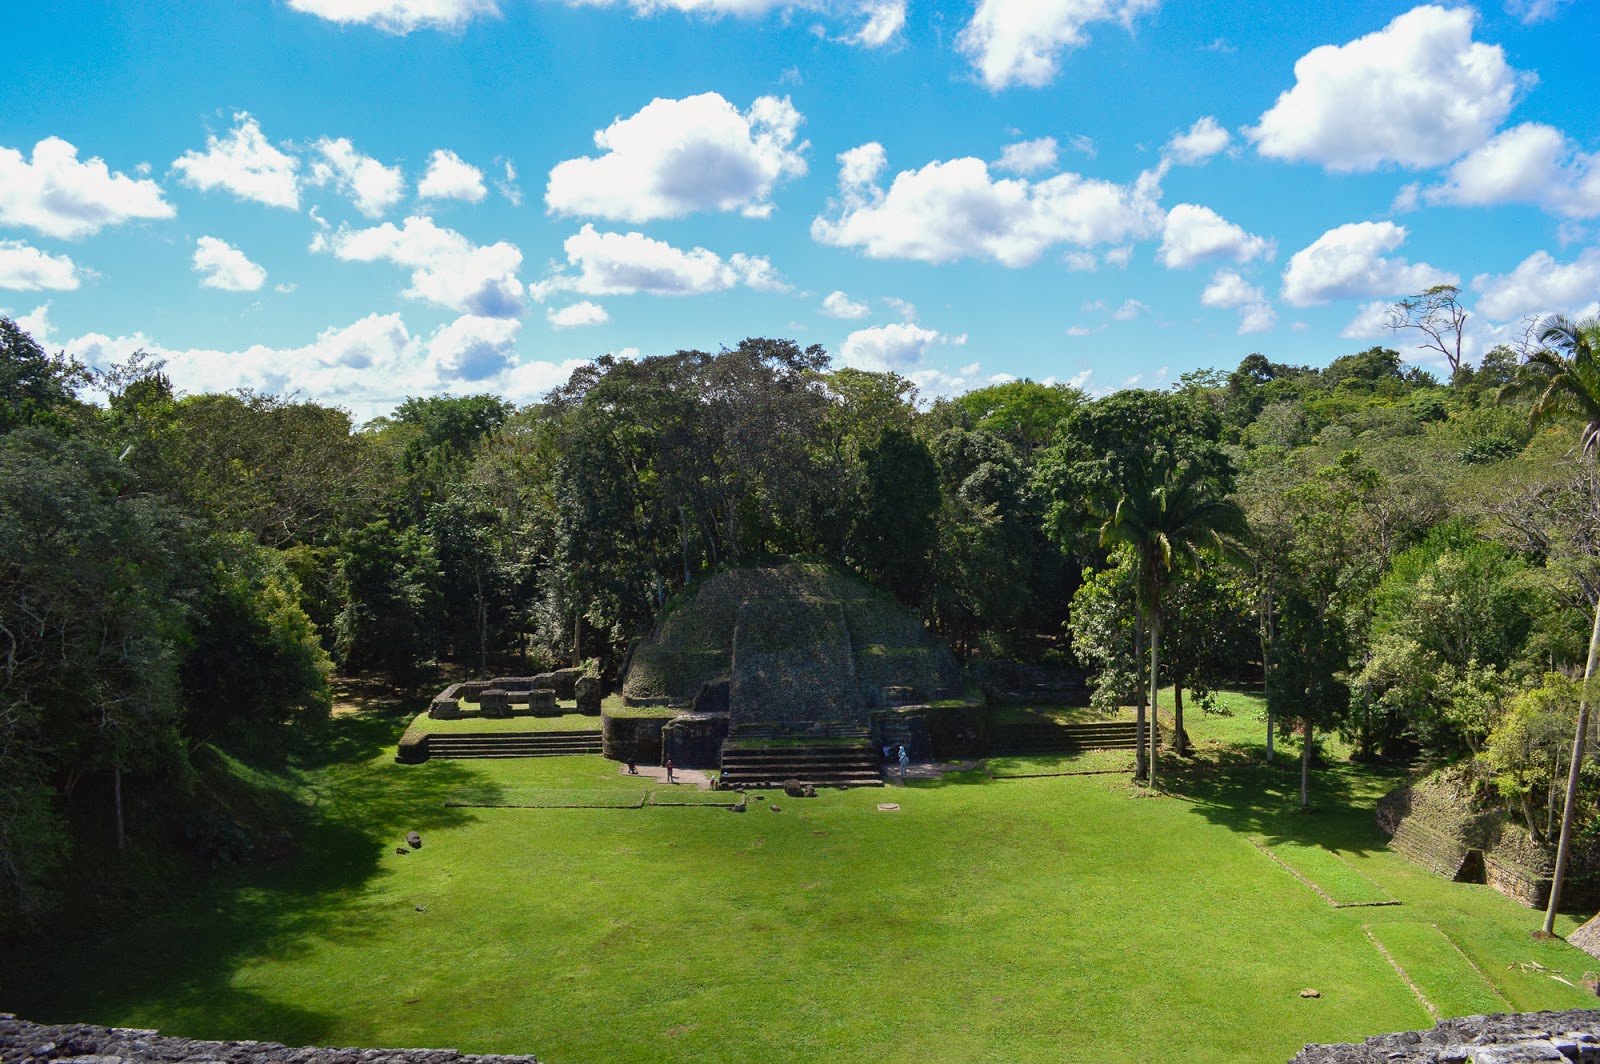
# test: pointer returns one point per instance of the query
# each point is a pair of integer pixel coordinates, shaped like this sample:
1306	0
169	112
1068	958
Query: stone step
465	745
459	755
765	781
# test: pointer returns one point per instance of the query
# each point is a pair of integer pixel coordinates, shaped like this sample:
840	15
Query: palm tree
1565	372
1167	513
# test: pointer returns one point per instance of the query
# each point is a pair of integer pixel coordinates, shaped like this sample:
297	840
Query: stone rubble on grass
1523	1038
83	1043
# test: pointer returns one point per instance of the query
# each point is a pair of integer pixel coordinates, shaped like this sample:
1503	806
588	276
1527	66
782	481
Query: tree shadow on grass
174	966
1263	800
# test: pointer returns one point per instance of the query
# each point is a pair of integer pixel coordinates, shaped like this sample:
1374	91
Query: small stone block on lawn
888	807
542	700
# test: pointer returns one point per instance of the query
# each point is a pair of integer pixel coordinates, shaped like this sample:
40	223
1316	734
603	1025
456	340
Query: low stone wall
638	738
694	740
1573	1035
36	1043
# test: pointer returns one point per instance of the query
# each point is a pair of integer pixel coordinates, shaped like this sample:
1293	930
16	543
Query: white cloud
1531	11
1081	261
1229	291
447	268
55	194
450	177
903	307
1539	285
610	264
898	347
1028	156
1195	234
345	365
577	315
839	305
1019	42
221	265
1349	263
884	21
1530	163
950	210
473	348
1080	330
1203	140
1130	309
244	163
24	268
371	186
508	185
1370	323
1119	257
1418	93
398	16
36	323
676	157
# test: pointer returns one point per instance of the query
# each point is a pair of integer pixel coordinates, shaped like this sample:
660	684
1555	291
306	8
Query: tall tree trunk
1266	664
1308	733
483	626
1564	846
116	799
577	639
683	541
1180	741
1155	679
1140	769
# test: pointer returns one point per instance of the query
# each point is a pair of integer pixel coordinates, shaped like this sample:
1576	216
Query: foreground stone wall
34	1042
1573	1035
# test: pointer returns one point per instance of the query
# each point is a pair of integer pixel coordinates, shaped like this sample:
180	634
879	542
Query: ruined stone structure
503	695
1573	1035
792	642
37	1043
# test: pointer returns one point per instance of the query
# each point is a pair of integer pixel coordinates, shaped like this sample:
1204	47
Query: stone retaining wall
1573	1035
35	1043
638	738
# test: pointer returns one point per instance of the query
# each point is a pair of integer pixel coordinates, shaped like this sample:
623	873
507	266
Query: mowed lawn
1062	918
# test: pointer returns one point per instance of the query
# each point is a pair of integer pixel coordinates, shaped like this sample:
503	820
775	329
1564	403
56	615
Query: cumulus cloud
368	366
839	305
1349	262
1531	11
244	163
903	307
473	348
447	268
609	264
1417	93
898	347
950	210
371	186
1203	140
1028	156
1229	291
1019	42
1370	323
577	315
1196	234
24	268
676	157
884	19
450	177
1529	163
36	323
1130	309
221	265
398	16
55	194
1540	285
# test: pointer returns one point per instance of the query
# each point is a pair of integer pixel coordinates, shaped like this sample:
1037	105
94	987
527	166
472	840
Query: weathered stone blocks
588	692
495	702
542	701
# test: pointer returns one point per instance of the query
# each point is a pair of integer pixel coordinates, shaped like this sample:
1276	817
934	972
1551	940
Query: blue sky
361	200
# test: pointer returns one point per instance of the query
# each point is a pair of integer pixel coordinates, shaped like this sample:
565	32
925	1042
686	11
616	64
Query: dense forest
1408	562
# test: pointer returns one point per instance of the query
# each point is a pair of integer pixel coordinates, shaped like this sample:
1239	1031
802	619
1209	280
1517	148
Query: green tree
895	532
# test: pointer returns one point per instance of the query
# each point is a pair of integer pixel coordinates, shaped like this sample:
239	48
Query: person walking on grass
669	771
905	759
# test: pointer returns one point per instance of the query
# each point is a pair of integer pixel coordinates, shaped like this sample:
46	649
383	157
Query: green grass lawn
568	721
1065	918
1324	871
1452	985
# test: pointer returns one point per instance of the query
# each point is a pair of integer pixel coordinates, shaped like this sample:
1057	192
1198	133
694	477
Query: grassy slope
1043	919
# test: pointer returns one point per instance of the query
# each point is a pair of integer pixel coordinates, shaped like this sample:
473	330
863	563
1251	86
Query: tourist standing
905	759
669	771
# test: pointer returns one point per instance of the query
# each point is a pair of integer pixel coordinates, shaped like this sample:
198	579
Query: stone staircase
769	764
1063	738
513	744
